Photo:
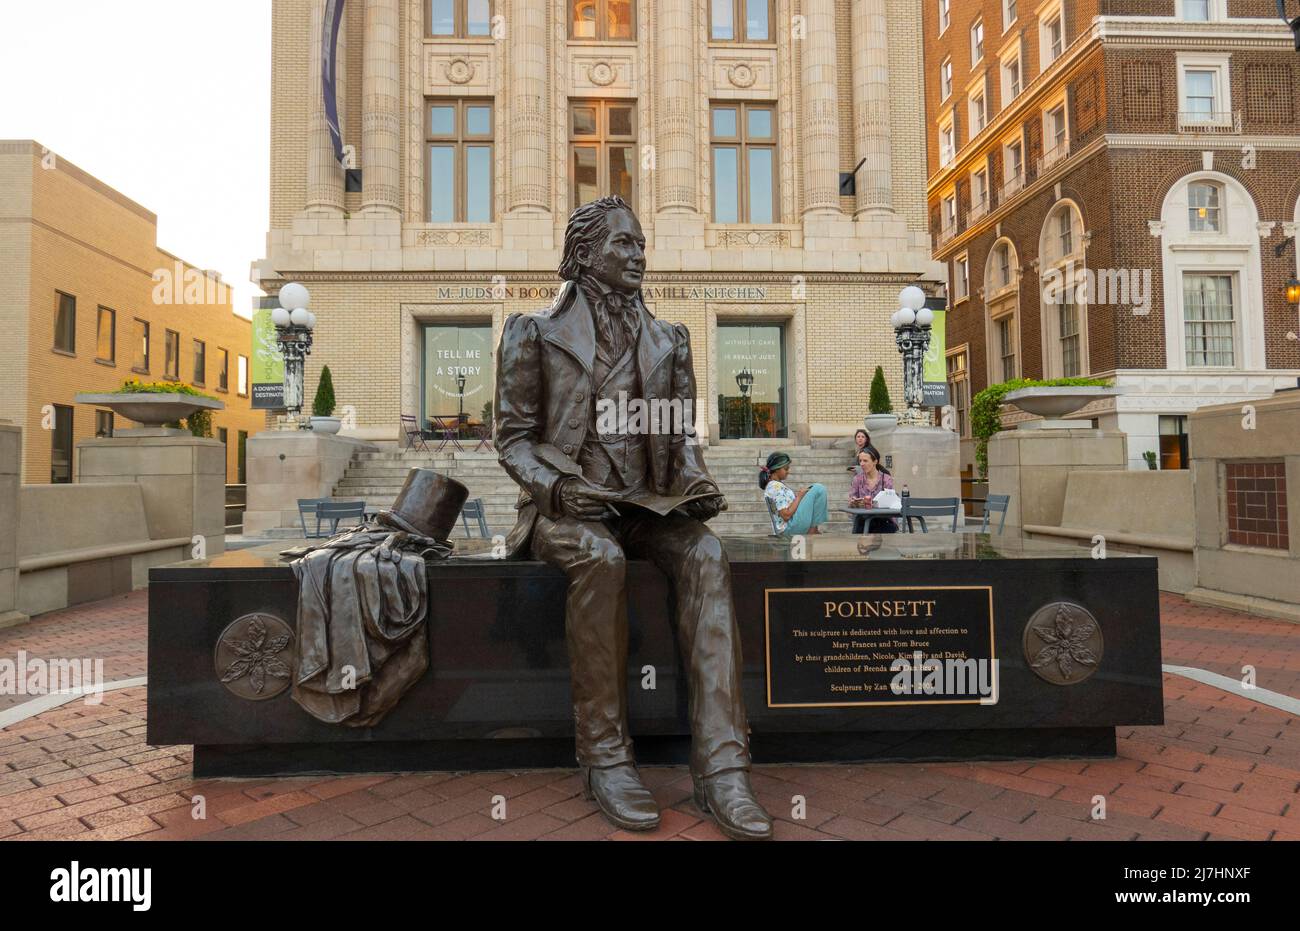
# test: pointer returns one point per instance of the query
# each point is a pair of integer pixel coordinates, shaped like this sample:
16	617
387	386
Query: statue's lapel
572	328
654	345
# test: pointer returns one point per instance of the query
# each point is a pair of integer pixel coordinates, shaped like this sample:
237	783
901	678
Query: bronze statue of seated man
584	481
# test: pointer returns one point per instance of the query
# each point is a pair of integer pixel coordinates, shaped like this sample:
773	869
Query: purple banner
329	71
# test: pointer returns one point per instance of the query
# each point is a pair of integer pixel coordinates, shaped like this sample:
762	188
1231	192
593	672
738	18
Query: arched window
1213	293
1002	320
1205	207
1064	316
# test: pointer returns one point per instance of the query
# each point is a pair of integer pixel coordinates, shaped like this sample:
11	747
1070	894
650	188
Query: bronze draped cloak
362	607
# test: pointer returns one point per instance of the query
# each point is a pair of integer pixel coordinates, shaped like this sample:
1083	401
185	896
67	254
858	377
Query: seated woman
869	482
861	440
797	512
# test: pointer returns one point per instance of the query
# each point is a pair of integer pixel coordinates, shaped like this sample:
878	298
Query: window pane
442	183
586	183
760	185
620	121
726	186
65	324
759	124
724	123
106	348
442	121
619	16
242	375
584	121
442	17
1200	92
478	183
200	362
479	17
756	25
584	19
724	28
140	339
478	121
621	165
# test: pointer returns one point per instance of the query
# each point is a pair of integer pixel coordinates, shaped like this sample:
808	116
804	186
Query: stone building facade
89	301
477	127
1148	150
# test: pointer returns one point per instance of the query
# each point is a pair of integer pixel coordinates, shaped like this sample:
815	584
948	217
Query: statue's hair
588	225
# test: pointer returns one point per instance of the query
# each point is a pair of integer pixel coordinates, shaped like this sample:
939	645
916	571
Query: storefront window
451	352
751	381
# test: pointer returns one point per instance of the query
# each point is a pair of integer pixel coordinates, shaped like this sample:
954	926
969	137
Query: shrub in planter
986	409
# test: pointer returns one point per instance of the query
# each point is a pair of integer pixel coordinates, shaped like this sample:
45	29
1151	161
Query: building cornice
1163	33
1199	142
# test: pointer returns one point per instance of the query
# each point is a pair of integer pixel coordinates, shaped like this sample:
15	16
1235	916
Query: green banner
934	376
267	363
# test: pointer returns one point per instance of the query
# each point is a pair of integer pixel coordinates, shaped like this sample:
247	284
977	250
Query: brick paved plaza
1222	767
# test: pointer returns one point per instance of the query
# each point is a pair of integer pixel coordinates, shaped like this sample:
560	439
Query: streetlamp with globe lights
912	336
294	324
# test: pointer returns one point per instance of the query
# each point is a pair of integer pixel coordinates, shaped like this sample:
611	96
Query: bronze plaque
254	656
895	645
1063	643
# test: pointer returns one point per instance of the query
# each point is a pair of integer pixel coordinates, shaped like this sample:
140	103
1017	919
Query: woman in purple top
870	480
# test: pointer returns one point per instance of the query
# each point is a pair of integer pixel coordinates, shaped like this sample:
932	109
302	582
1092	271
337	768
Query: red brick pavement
1221	767
114	630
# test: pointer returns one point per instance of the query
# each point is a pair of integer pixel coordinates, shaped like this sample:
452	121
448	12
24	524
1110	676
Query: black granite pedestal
823	632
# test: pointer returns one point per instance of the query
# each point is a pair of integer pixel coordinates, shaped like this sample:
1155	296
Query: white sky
168	101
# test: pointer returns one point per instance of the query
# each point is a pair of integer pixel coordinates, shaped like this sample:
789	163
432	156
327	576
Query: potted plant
880	409
322	406
158	407
1150	457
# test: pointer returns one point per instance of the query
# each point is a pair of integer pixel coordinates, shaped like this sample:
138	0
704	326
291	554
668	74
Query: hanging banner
329	72
934	372
267	362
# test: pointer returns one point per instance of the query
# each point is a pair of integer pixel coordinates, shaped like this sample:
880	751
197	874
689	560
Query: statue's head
604	240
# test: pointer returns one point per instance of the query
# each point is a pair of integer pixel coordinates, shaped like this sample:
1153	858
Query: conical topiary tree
323	404
879	400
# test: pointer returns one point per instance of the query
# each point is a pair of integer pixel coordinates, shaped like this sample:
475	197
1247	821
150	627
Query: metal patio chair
921	508
307	508
337	511
415	437
994	504
475	510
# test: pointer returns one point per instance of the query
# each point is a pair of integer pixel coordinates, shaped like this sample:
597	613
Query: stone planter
1054	403
152	411
877	422
329	425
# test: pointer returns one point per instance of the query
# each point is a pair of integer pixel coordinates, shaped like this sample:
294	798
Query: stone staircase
376	477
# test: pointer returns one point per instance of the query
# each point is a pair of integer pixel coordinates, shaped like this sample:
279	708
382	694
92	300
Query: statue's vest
616	461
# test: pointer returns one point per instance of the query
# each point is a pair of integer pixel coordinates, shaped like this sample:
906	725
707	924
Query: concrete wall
11	442
1248	578
1034	465
80	543
182	480
285	465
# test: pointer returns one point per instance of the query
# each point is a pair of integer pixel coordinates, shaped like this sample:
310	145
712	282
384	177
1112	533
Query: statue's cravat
615	316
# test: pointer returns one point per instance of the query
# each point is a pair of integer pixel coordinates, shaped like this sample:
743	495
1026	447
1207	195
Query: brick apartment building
85	305
1133	146
477	127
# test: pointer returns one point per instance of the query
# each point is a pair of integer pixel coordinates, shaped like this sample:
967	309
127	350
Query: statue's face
620	263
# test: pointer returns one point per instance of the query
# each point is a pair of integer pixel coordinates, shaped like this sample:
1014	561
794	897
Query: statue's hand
582	502
705	508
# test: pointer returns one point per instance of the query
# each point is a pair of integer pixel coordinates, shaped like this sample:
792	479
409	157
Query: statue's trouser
592	555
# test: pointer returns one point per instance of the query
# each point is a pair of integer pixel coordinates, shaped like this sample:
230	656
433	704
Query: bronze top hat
428	504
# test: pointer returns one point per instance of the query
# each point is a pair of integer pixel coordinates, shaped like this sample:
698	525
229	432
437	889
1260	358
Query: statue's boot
621	796
729	797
